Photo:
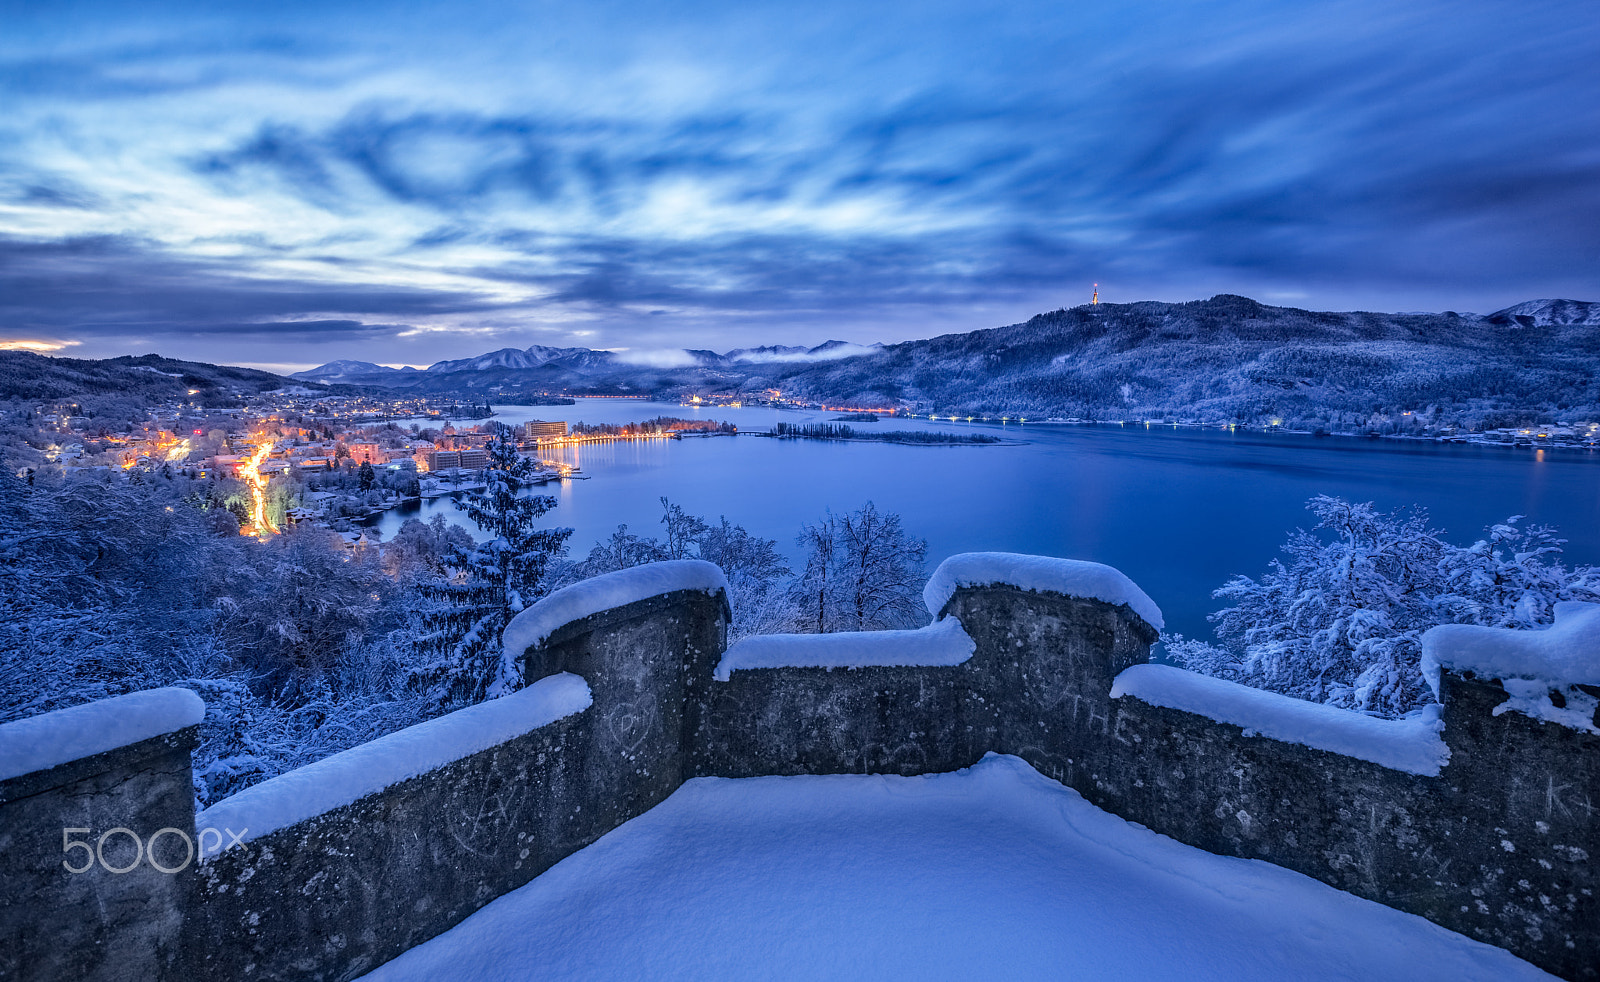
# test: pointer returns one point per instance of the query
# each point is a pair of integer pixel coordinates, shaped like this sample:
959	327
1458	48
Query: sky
284	184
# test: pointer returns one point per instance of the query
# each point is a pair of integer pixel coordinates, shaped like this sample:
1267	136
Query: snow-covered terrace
994	872
657	804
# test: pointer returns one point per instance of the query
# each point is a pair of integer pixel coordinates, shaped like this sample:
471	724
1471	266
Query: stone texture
874	720
97	925
335	896
649	665
1520	813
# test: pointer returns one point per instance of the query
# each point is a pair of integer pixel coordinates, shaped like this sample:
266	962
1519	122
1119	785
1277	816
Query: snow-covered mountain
1549	313
1226	358
584	359
514	358
345	370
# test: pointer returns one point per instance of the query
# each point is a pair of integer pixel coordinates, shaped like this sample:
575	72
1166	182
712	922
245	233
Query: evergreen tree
495	580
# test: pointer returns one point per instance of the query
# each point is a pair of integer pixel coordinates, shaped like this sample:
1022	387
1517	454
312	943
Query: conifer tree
495	580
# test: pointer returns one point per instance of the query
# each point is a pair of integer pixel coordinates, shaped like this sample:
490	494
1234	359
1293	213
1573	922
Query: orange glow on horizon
36	346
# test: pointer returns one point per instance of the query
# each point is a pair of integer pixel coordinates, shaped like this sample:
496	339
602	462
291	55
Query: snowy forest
302	645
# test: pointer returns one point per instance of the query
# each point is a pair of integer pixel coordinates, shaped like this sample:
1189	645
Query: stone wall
336	896
97	924
1499	845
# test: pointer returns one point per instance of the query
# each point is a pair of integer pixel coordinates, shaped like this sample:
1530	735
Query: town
301	456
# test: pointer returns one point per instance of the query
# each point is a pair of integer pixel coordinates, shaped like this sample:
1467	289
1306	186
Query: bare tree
813	589
863	573
683	530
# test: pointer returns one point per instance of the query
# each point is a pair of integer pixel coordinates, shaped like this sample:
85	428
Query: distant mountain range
1224	359
1227	358
500	367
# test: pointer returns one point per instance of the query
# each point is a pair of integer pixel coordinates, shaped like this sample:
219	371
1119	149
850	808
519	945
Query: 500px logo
143	850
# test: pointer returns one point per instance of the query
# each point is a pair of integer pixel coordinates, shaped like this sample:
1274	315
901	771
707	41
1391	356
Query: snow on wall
1413	744
940	643
600	593
1531	697
1070	577
1565	653
353	774
52	739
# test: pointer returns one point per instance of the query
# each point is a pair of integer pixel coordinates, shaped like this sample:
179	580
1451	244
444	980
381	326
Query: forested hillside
1227	359
1232	359
27	376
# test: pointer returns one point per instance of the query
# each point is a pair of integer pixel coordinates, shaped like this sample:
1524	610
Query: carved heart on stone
630	724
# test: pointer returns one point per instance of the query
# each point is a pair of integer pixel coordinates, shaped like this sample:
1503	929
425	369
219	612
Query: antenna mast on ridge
1096	298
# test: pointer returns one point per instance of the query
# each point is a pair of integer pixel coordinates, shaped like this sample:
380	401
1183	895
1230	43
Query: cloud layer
352	181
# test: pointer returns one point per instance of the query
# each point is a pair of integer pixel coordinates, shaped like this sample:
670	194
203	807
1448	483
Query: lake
1179	511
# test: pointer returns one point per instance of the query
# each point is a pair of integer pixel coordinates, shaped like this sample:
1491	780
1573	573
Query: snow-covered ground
991	873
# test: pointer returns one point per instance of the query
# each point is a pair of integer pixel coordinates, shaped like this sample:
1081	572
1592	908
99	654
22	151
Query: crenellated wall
1483	823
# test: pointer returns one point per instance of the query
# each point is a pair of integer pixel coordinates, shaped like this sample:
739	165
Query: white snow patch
1070	577
994	872
52	739
1413	744
1531	697
940	643
351	775
530	628
1565	653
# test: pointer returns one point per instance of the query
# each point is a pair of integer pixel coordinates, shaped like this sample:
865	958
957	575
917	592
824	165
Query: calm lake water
1179	511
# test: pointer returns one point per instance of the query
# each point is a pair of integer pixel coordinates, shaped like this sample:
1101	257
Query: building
538	429
367	453
471	459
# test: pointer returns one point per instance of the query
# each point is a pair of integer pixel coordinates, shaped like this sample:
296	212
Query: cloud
658	358
726	177
832	352
110	284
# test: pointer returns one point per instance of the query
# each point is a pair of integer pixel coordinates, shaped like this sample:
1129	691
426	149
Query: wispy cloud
437	182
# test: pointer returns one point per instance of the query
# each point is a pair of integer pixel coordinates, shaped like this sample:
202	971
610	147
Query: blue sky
288	183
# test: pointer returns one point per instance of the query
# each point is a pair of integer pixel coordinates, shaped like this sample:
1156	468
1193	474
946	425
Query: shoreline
1472	441
999	442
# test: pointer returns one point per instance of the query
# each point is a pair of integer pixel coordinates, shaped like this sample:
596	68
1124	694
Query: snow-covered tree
1342	622
863	572
620	551
684	531
751	563
113	585
423	550
497	580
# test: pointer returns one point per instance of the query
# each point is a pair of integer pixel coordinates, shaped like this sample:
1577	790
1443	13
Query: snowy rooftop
994	872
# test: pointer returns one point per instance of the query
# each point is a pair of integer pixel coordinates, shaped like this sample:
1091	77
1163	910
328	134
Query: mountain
1228	358
514	358
343	371
585	369
24	375
1231	358
1548	313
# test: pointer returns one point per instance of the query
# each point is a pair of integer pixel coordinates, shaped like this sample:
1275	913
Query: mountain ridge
1226	359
